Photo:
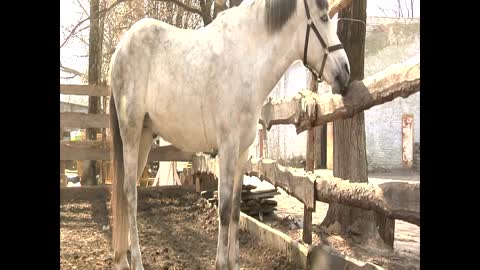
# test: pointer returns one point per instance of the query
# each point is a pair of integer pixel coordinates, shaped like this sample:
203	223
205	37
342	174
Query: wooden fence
99	150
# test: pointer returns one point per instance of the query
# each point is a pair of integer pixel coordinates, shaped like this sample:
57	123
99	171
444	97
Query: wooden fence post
197	183
310	164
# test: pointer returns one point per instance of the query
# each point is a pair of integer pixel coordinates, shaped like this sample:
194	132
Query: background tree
349	144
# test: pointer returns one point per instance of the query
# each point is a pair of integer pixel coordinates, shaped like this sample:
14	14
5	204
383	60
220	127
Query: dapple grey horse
203	90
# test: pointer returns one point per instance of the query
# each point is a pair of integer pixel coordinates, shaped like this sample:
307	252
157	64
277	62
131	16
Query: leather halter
311	25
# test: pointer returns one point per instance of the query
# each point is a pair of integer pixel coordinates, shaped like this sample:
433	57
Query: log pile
253	203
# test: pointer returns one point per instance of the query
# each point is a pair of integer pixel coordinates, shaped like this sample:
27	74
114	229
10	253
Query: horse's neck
277	54
269	54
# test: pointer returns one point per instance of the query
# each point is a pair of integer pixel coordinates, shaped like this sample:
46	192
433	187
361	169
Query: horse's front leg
228	156
233	243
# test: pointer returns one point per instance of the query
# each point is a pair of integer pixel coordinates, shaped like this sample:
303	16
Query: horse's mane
277	12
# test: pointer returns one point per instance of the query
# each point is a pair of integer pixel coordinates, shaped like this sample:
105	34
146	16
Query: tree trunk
411	7
205	6
170	12
219	6
186	15
349	144
234	3
400	13
94	77
179	17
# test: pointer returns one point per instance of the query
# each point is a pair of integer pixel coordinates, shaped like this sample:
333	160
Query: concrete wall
383	128
390	42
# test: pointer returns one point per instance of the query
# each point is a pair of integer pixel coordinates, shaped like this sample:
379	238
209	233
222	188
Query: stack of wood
253	202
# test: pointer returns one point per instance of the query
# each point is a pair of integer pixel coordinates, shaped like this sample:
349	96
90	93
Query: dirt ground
176	231
289	219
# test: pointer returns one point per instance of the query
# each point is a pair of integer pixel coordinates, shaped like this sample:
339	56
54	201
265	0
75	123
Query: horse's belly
185	132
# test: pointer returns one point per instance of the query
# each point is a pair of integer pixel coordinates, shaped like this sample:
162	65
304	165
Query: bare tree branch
100	13
400	9
78	31
206	17
408	10
411	5
81	6
383	10
68	77
71	70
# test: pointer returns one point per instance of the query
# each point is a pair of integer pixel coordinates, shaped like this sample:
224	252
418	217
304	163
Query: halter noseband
311	25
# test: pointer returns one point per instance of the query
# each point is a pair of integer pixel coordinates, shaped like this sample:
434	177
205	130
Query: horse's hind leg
131	151
146	140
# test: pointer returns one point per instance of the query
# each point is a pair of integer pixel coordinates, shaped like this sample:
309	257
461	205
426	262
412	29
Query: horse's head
322	51
314	36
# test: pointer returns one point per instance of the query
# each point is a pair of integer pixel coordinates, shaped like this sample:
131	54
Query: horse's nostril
345	66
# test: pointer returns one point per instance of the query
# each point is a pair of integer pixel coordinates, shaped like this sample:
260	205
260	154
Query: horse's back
131	61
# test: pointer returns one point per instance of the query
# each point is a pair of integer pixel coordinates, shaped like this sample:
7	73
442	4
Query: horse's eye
324	18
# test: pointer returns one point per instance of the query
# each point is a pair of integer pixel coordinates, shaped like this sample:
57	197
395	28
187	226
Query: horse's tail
119	200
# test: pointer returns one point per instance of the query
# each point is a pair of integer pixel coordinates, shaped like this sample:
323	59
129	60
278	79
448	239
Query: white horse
203	90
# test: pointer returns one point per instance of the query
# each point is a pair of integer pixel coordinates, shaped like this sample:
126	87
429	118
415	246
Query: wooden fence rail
398	200
84	120
96	150
85	90
308	109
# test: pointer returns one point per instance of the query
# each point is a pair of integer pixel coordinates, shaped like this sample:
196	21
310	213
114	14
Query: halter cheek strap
311	26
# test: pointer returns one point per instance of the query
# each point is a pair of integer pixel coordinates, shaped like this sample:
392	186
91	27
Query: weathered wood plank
276	240
247	192
92	150
323	257
336	5
88	90
318	257
259	196
84	120
398	200
295	183
307	109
